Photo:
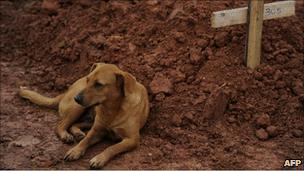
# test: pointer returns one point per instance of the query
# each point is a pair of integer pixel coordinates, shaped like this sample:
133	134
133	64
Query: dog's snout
79	98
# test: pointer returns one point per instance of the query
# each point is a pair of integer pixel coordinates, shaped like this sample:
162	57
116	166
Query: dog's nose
79	98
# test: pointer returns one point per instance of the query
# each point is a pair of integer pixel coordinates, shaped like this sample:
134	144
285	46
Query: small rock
267	47
263	120
60	83
177	75
161	84
189	116
231	119
199	100
26	140
61	44
152	2
195	55
150	59
85	3
43	161
179	37
208	87
167	147
272	131
258	76
132	47
297	133
51	6
261	134
202	43
208	53
176	120
298	87
235	39
221	39
98	41
215	105
278	75
160	97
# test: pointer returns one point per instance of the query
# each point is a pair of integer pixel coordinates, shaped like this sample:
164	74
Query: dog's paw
73	154
98	161
79	136
66	137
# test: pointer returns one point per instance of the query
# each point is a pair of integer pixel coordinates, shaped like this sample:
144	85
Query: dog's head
106	82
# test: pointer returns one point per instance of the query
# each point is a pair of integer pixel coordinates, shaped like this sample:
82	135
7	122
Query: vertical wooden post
255	16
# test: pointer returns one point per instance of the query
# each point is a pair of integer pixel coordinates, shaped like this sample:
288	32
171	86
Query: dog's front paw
98	161
79	136
73	154
66	137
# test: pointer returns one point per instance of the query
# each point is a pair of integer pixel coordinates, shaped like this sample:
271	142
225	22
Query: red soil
192	71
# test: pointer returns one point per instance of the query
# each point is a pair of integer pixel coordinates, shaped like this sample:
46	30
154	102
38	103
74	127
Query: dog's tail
40	99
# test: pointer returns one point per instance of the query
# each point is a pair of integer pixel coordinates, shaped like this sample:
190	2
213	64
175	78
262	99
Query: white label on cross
239	15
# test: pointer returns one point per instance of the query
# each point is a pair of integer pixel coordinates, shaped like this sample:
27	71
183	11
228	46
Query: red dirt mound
170	47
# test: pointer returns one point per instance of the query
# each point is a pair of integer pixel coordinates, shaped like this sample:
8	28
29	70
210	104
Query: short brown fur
120	103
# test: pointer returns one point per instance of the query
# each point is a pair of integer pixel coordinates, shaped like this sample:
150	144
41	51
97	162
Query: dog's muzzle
79	98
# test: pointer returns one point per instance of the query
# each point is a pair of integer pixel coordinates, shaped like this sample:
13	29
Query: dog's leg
76	129
72	114
125	145
94	135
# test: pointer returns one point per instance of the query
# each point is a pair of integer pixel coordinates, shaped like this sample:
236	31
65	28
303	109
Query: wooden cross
254	17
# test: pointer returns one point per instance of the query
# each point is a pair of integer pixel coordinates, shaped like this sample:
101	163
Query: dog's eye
98	85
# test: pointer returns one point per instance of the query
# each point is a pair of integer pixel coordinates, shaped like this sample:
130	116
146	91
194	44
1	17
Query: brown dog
120	103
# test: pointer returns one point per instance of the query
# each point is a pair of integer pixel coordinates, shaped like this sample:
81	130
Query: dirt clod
263	121
297	133
26	140
50	6
176	120
272	131
202	43
221	39
48	48
215	105
298	87
160	96
195	55
161	84
261	134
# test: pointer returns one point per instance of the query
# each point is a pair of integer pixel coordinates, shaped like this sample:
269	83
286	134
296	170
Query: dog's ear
126	83
95	65
120	83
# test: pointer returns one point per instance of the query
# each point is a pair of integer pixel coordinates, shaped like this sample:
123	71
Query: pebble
195	55
23	141
272	131
161	84
202	43
221	39
261	134
176	120
231	119
297	133
160	97
298	87
51	6
263	121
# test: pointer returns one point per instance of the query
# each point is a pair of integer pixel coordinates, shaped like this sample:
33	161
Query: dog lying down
120	106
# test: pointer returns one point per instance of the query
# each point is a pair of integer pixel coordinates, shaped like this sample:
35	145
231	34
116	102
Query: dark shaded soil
170	47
